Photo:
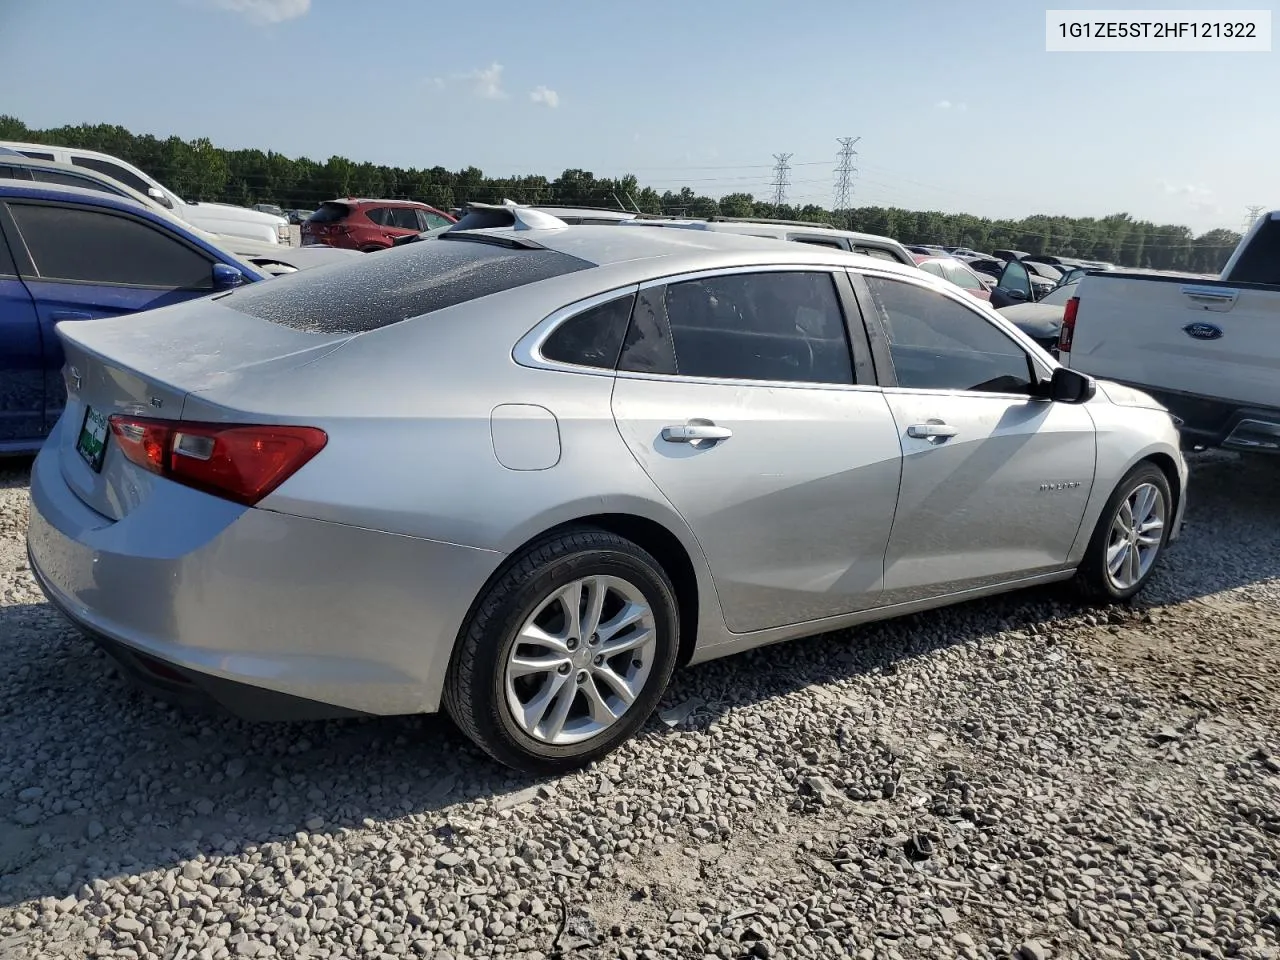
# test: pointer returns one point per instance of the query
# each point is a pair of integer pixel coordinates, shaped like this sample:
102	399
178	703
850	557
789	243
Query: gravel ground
1020	778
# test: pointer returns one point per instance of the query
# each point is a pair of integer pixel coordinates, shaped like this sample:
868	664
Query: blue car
67	253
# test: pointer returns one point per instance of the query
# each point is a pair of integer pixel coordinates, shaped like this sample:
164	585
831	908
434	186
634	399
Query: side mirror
1071	386
226	277
160	197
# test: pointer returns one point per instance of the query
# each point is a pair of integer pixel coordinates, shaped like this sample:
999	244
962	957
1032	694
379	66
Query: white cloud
1196	196
267	11
545	95
486	82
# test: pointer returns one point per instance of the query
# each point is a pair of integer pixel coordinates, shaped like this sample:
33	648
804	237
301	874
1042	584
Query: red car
370	224
949	268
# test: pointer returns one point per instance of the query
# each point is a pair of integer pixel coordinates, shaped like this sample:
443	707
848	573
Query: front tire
566	653
1130	537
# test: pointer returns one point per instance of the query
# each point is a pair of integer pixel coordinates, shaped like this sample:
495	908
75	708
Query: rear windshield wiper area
510	241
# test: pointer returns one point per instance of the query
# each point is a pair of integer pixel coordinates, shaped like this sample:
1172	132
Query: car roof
381	203
752	226
689	249
553	209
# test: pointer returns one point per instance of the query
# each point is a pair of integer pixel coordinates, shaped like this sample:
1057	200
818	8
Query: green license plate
92	444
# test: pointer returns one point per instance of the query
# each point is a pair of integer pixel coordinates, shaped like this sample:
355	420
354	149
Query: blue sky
958	106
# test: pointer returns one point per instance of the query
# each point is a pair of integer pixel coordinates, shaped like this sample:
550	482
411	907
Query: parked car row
274	258
219	218
87	253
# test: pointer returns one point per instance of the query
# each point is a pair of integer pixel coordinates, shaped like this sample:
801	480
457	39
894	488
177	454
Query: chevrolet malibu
524	474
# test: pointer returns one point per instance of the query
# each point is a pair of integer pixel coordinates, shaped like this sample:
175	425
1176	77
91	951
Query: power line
781	177
845	171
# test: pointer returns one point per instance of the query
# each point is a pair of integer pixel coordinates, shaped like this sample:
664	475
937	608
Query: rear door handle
937	432
693	432
70	315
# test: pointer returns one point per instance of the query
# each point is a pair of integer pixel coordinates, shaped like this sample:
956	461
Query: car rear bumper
272	616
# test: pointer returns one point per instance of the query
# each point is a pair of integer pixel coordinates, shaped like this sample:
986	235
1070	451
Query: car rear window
329	212
379	289
1260	260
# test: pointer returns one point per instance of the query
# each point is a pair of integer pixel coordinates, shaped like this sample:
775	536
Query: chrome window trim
528	351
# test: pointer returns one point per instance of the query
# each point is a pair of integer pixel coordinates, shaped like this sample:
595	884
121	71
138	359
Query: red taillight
236	461
1068	325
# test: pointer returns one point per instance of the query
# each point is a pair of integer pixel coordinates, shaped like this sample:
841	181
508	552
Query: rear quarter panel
409	413
1132	329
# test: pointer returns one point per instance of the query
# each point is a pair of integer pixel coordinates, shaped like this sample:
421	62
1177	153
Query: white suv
214	217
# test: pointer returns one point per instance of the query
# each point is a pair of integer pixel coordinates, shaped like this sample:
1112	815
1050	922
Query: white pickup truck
1208	350
218	218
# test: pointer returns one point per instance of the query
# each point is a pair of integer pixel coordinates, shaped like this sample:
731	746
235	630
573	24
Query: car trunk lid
146	365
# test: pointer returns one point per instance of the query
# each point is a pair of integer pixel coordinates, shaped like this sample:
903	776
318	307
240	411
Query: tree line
198	170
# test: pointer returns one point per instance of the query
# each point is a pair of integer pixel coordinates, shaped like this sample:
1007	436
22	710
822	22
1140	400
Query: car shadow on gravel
149	784
99	780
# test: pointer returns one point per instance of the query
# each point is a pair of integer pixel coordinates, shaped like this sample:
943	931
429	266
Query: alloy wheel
580	660
1136	536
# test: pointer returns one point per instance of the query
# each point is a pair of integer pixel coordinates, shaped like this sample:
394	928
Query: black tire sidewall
1097	568
492	715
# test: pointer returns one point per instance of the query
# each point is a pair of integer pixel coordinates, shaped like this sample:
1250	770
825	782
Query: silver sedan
525	474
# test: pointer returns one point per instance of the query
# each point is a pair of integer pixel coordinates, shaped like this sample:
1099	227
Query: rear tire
544	690
1130	537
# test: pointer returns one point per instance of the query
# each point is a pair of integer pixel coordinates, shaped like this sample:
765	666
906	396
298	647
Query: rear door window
784	326
379	215
8	172
98	246
114	171
405	281
404	218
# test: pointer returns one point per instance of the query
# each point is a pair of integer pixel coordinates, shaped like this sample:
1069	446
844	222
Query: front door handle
934	431
693	432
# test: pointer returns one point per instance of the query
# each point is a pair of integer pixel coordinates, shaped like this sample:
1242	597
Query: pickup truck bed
1209	350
